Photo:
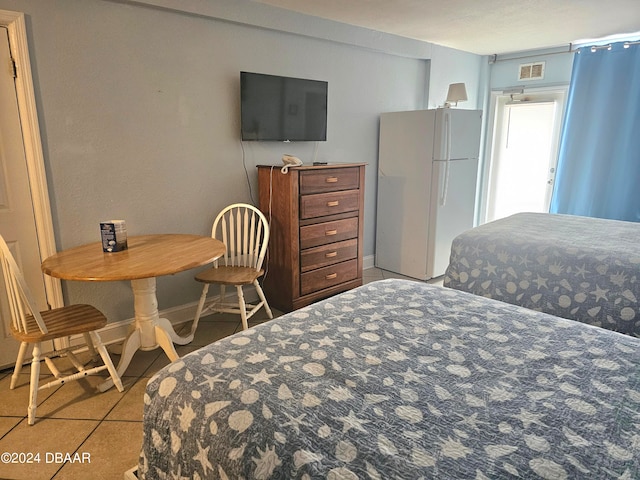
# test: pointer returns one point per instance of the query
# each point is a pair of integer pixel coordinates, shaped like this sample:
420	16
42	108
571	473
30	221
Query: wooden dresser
316	216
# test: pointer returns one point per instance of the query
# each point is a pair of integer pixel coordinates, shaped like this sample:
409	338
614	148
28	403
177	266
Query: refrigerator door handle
447	133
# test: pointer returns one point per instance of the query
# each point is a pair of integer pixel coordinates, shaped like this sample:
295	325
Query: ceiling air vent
531	71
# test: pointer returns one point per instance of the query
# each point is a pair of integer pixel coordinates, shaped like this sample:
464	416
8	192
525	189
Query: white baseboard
368	262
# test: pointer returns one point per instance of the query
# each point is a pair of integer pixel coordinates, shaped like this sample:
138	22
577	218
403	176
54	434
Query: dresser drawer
329	180
317	257
328	232
323	204
328	276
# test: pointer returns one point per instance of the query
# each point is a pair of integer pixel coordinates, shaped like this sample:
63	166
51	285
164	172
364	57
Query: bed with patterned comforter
400	380
584	269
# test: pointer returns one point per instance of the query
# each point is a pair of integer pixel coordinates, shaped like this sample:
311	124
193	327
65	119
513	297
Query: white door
17	222
524	154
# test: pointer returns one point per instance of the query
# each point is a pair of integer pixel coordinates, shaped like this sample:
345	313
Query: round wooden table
148	257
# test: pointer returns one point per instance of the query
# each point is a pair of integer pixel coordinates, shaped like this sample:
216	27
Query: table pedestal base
149	330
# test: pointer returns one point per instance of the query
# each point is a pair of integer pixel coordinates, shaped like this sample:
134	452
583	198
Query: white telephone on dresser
289	161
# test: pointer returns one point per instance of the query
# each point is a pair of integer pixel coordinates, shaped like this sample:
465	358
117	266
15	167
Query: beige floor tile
372	274
80	400
7	423
210	330
46	437
130	406
163	360
253	322
15	402
220	325
113	447
140	362
387	274
259	320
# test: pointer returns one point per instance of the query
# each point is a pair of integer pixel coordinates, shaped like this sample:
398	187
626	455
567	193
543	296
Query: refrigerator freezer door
455	216
465	133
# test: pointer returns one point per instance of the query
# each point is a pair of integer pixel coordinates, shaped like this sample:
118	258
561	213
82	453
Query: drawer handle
331	276
331	180
331	232
331	254
334	203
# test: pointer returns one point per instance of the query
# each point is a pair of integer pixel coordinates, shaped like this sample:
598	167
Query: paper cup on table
114	236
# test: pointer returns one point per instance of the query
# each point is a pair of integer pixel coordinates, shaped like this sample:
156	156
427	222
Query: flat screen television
275	108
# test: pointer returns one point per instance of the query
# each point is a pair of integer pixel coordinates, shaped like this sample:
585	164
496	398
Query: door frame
492	118
15	24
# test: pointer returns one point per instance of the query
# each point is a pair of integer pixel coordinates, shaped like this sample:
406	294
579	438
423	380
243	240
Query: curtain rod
494	58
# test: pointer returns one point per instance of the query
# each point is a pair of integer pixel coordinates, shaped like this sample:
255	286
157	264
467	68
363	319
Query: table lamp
457	93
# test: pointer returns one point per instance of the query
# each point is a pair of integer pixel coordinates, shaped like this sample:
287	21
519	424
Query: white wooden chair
244	230
29	326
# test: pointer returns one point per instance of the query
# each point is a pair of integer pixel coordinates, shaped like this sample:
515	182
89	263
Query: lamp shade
457	93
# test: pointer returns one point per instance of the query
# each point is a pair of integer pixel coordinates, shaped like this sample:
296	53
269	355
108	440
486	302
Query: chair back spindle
240	228
22	304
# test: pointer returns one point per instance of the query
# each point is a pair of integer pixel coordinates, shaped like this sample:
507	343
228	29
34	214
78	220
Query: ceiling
483	27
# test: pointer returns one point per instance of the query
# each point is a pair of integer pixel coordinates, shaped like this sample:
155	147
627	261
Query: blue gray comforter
584	269
400	380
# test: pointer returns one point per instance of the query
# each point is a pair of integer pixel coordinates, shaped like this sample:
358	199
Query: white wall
139	112
454	66
558	66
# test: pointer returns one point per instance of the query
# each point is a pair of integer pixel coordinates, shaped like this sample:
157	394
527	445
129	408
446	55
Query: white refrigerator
427	174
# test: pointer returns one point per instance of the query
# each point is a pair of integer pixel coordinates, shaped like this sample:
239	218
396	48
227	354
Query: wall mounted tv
274	108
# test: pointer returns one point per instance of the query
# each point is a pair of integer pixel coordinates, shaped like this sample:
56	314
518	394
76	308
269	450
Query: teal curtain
598	172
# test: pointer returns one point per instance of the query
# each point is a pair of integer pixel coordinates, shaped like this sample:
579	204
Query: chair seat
229	275
61	322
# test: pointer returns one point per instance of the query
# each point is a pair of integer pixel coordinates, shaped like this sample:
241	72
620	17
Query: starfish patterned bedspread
584	269
400	380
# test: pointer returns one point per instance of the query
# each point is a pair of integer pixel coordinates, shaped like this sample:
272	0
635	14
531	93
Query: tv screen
282	108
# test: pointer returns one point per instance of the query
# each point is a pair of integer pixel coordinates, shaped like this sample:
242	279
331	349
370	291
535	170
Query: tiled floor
102	433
